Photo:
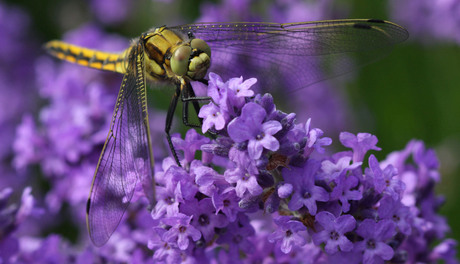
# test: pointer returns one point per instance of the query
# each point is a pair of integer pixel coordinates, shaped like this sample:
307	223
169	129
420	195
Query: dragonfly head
193	60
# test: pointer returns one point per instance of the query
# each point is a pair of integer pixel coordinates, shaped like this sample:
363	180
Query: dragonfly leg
188	95
169	117
204	81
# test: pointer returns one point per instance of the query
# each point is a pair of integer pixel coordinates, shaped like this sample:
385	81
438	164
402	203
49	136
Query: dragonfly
302	52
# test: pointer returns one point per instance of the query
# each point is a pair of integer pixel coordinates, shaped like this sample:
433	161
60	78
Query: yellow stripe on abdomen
115	62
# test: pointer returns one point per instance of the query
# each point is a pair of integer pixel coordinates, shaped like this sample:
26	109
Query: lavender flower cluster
266	191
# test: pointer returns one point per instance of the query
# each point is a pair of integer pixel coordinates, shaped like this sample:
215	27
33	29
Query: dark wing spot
88	204
376	21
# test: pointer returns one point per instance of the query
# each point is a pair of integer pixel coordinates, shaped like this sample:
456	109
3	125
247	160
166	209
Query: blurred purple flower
16	77
17	88
12	219
110	11
445	251
428	20
78	115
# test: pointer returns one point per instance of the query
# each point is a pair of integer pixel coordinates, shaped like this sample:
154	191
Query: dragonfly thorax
172	55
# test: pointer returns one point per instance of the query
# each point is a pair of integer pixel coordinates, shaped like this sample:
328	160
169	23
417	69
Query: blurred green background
412	93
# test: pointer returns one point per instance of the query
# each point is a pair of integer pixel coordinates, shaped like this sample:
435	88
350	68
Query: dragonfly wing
298	54
126	156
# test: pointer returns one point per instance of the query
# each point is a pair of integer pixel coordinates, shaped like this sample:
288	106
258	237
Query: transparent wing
296	54
125	158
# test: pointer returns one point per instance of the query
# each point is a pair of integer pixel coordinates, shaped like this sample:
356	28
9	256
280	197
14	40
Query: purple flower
27	144
163	250
288	234
227	203
204	217
334	231
178	189
245	181
427	162
306	193
384	180
206	178
445	251
217	90
393	210
190	145
333	170
251	126
345	190
228	96
49	250
360	144
314	139
212	117
181	230
239	90
374	235
236	236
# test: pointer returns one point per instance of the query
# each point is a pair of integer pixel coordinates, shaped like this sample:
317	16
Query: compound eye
200	44
179	60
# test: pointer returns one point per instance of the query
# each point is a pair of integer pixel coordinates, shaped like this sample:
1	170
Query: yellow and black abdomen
115	62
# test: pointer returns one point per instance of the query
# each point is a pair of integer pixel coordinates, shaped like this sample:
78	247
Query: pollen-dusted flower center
166	246
306	195
246	176
370	244
260	136
288	233
169	200
203	220
334	235
182	229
